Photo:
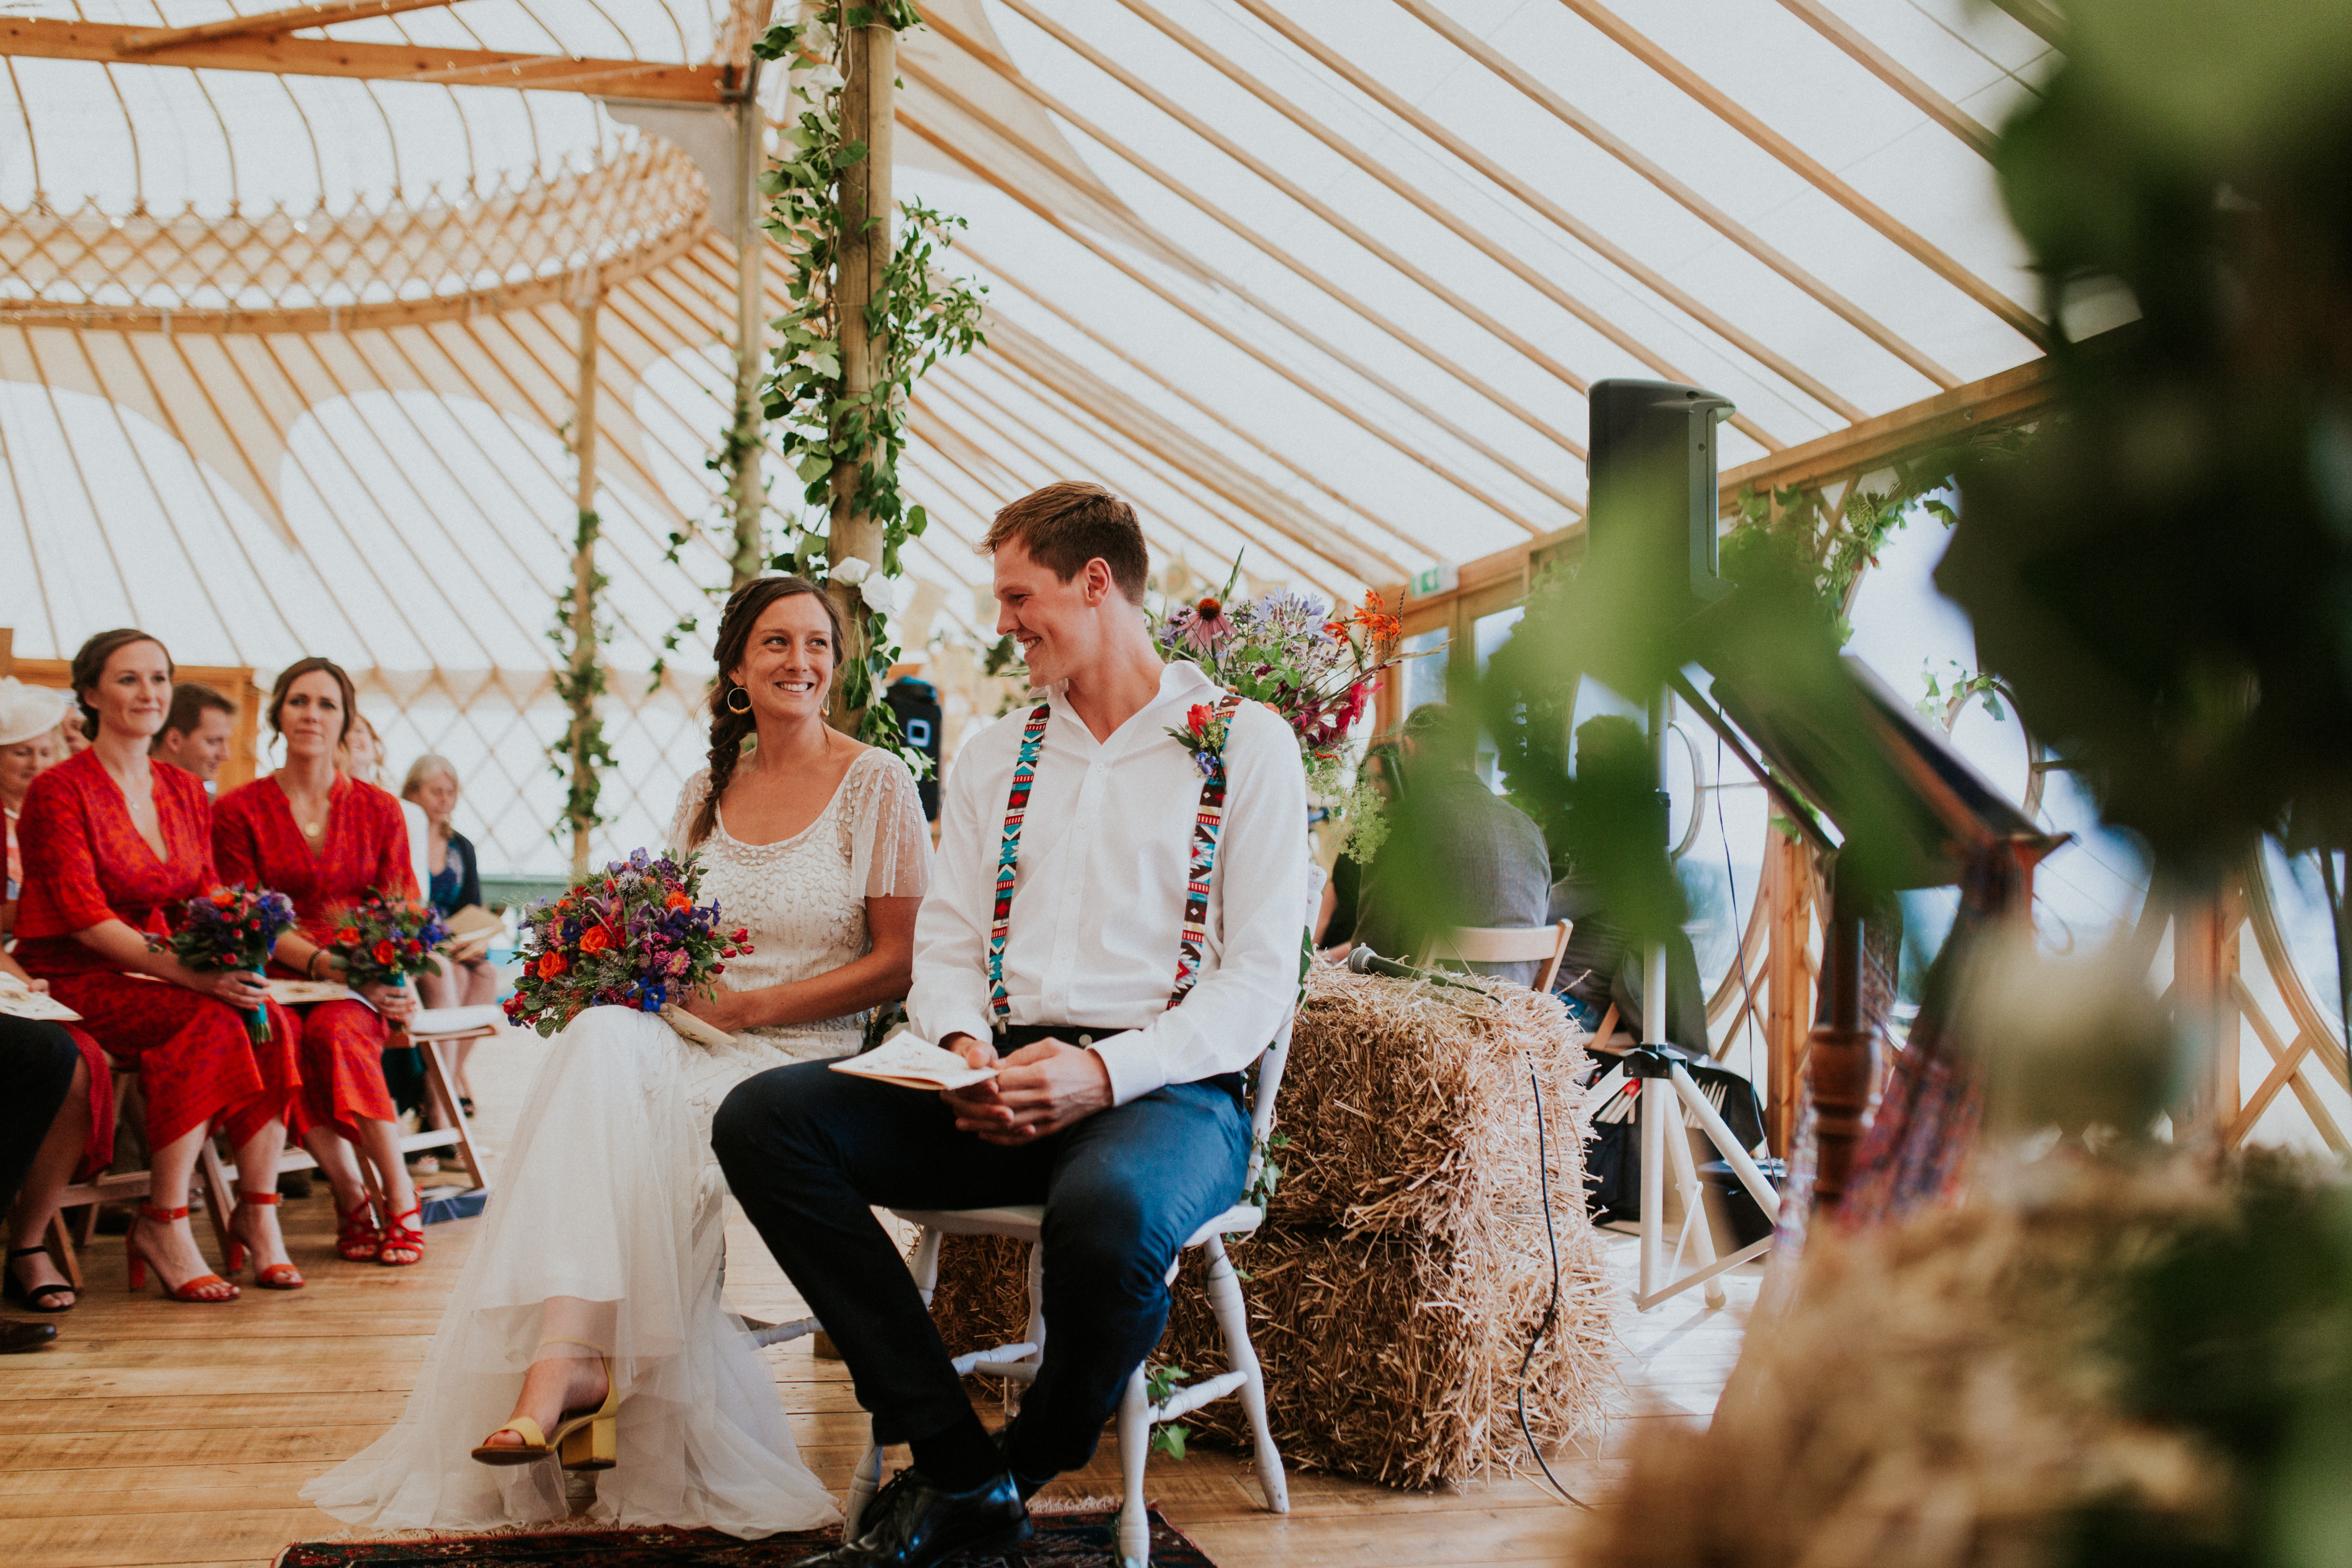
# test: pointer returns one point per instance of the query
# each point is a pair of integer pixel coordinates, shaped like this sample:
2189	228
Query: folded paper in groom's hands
913	1063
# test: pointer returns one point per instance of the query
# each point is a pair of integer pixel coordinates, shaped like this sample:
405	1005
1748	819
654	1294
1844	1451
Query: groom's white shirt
1098	902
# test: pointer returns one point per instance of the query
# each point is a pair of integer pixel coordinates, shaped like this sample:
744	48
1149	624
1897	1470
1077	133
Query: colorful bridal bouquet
633	937
383	940
230	928
1315	667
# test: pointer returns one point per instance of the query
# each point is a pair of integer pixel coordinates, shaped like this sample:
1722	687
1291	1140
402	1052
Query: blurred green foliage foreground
2162	575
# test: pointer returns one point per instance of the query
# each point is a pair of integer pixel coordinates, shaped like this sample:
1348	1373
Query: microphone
1362	960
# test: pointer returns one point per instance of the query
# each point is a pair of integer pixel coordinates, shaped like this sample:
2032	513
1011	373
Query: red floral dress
365	848
85	864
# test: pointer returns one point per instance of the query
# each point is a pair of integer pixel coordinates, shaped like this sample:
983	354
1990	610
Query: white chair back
1544	945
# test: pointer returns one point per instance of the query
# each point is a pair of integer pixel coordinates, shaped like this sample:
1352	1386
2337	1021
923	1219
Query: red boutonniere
1204	735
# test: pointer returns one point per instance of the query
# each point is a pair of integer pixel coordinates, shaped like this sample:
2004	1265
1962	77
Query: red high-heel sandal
203	1288
401	1237
361	1238
268	1276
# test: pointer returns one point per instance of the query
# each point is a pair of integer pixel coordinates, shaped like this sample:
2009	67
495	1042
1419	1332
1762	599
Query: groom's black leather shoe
912	1523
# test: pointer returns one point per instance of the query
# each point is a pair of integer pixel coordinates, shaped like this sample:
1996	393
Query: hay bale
1407	1105
1397	1359
1404	1267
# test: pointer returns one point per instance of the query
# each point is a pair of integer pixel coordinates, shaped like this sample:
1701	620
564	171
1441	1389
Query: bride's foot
552	1389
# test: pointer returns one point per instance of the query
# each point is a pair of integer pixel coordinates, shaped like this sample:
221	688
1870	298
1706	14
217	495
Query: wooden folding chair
1546	945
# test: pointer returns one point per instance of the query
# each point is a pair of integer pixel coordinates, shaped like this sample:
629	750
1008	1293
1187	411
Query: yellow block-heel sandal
587	1440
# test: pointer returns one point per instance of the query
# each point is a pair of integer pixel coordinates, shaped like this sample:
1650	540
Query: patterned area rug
1062	1541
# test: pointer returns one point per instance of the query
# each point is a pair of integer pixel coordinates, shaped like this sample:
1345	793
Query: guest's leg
806	1150
256	1225
31	1085
1130	1185
37	1064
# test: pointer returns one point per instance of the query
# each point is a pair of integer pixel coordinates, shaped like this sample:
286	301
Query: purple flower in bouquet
230	928
1208	628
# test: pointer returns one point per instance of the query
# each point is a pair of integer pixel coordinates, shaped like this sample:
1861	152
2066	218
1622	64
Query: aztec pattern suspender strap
1206	824
1008	858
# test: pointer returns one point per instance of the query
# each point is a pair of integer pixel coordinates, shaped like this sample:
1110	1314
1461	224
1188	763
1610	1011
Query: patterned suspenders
1206	824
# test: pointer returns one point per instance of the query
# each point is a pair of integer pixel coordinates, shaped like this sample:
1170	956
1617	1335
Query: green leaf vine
917	317
582	754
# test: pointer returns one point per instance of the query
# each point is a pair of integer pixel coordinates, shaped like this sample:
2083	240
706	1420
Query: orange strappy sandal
359	1238
399	1235
203	1288
268	1276
582	1440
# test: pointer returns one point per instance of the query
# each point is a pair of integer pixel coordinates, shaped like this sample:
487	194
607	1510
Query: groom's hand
1045	1088
977	1107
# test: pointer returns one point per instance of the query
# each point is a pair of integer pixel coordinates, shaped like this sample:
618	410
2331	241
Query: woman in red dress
114	843
326	842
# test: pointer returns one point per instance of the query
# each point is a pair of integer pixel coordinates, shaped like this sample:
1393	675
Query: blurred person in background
70	741
361	757
197	731
327	841
28	723
114	844
453	882
1334	921
1461	856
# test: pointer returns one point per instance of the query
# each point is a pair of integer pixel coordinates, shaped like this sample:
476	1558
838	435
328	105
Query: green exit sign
1442	578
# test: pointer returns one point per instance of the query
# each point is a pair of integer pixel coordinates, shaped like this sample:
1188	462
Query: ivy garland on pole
580	757
916	316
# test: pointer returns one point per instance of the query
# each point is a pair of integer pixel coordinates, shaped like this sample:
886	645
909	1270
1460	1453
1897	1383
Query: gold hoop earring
745	694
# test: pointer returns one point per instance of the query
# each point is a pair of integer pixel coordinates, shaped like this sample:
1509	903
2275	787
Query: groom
1055	946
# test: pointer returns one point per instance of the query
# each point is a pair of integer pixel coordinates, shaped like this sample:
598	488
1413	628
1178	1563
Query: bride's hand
722	1010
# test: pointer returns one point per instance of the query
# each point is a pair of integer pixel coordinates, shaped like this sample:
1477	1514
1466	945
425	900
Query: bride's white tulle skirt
609	1197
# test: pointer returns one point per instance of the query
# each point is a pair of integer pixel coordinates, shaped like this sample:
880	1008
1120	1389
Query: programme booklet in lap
913	1063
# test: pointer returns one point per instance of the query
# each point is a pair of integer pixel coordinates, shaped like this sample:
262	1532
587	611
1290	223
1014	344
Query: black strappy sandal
32	1297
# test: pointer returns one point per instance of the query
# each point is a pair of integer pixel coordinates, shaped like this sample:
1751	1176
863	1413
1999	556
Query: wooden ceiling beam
1891	71
262	22
44	37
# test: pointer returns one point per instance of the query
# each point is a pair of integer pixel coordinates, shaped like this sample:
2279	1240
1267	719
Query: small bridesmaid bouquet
635	937
230	928
384	941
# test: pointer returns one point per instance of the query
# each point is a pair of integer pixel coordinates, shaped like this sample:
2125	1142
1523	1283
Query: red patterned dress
85	864
365	848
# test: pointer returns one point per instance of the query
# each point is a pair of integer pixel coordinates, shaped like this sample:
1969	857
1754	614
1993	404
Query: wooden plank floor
153	1432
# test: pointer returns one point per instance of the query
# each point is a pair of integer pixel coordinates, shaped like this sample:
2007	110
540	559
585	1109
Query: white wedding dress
610	1195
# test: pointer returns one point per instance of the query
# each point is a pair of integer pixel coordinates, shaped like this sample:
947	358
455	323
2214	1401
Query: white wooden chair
1546	945
1136	1413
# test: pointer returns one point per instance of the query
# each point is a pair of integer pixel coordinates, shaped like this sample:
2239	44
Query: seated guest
1459	854
1335	922
29	721
47	1138
326	842
1599	970
70	741
455	883
115	843
197	730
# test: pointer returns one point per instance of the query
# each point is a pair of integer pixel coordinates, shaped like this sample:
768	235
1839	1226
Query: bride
593	1289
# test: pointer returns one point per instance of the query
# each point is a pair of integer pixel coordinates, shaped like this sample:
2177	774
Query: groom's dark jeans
807	1149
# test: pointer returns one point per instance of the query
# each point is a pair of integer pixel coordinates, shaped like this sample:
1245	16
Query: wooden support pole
2204	970
582	615
747	494
1841	1056
868	73
1789	988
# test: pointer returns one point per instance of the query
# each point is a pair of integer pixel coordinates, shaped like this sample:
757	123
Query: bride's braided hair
728	729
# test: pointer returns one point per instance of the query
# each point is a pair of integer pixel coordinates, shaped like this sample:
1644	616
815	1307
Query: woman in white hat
29	722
